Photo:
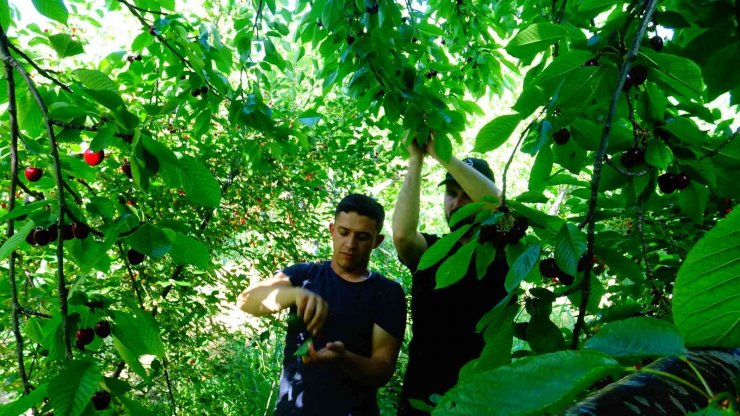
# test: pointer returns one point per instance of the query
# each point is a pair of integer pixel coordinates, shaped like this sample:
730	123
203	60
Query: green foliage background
243	123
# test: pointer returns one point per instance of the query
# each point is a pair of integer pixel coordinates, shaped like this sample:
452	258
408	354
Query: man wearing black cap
443	320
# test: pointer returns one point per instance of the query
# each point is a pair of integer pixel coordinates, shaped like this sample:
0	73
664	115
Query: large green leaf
562	66
465	211
707	289
658	154
570	243
13	242
636	338
440	249
499	337
508	390
150	240
24	403
619	265
496	132
535	38
681	71
129	357
71	390
521	267
693	201
454	268
199	183
134	408
96	80
65	46
53	9
543	335
188	250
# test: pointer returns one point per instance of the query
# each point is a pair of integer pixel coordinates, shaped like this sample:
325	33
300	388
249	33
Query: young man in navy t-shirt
356	320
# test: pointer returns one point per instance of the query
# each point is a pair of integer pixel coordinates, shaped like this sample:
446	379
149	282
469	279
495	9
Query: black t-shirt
443	326
323	388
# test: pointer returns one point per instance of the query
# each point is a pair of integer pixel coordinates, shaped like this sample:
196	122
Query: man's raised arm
407	239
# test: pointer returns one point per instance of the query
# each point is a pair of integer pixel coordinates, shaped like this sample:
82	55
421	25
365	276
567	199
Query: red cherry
33	173
135	257
85	336
94	158
102	329
101	400
80	230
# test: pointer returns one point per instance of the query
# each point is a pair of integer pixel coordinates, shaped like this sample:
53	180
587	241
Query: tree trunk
649	394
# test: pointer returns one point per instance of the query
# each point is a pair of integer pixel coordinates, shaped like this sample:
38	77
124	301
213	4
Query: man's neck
350	276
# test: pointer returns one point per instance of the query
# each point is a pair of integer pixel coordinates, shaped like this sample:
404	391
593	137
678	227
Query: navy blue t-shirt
324	388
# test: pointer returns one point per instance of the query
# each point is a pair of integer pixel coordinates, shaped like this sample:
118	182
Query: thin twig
14	134
656	292
598	165
31	312
40	70
624	171
721	146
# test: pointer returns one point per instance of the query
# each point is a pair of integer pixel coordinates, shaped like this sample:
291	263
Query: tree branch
62	286
14	134
598	165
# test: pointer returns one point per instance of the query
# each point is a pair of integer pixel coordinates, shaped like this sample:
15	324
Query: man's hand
333	351
312	308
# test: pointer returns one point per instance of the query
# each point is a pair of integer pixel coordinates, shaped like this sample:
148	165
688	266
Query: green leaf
440	249
658	154
507	390
499	337
25	402
681	71
13	242
150	240
521	267
484	256
465	211
562	66
454	268
199	184
443	147
686	130
635	338
620	265
134	408
570	243
693	201
303	348
71	390
707	289
496	132
65	46
535	38
96	80
309	118
149	331
543	335
594	299
596	4
53	9
129	357
188	250
5	21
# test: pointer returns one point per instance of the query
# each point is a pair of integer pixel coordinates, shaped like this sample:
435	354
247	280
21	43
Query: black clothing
323	388
443	326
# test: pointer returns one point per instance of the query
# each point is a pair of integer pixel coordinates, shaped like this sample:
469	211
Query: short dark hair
363	205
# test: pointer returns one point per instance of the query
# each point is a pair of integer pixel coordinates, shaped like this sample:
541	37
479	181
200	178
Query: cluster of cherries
85	336
669	182
549	269
501	237
41	236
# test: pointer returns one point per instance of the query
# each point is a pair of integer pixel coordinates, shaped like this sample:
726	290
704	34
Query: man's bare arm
407	239
276	294
375	370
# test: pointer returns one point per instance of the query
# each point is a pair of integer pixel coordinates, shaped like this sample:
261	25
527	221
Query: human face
455	198
354	237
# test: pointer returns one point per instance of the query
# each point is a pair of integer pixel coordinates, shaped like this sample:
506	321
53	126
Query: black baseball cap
478	164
